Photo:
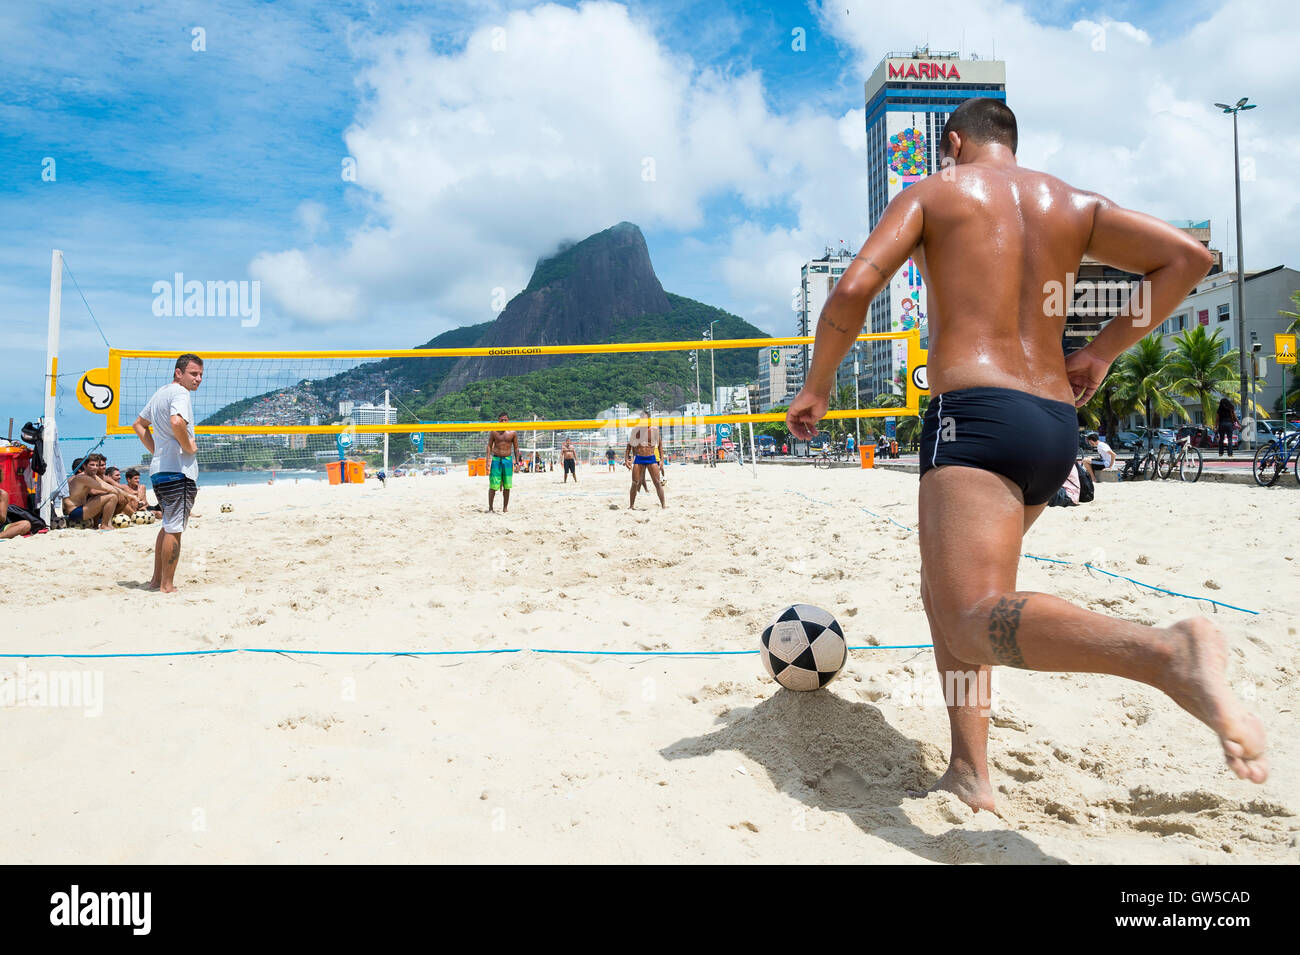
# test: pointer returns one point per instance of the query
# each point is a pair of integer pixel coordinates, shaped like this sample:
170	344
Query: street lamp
713	378
1241	268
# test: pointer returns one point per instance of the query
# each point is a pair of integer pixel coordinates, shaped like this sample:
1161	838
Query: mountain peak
624	240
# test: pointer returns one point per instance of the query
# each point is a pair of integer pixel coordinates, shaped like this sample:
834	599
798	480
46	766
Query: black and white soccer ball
803	648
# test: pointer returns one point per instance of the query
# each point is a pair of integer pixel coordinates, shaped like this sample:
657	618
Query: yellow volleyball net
296	409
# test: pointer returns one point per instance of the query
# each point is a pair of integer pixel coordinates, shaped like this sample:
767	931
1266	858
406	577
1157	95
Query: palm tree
1292	397
909	429
1294	327
1104	408
1142	380
1198	367
842	400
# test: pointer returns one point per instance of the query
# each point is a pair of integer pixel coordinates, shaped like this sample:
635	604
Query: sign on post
1284	346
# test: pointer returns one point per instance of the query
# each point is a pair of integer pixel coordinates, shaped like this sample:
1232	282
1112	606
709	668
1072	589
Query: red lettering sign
925	71
1203	316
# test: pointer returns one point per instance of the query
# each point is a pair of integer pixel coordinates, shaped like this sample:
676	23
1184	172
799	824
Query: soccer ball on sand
141	517
121	520
803	648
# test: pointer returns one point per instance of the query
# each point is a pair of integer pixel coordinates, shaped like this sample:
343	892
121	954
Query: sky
387	171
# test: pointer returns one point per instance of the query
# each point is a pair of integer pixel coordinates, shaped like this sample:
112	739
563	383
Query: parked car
1270	428
1159	436
1202	436
1123	440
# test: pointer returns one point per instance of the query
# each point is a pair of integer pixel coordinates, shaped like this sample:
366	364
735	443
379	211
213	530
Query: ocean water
222	478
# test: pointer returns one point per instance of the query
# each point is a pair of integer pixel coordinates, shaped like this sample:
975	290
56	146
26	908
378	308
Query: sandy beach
531	757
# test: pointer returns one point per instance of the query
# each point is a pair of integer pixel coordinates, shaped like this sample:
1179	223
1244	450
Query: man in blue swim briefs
998	246
643	441
503	452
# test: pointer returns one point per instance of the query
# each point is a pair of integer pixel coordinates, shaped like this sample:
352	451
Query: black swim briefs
1030	441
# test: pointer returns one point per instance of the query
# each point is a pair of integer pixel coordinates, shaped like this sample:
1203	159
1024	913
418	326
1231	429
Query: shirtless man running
642	442
996	243
503	452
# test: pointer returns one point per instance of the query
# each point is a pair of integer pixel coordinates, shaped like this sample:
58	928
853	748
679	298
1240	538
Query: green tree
842	400
909	428
1292	397
1198	367
773	429
1142	380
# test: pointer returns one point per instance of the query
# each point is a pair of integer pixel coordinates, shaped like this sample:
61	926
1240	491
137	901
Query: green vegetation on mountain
586	384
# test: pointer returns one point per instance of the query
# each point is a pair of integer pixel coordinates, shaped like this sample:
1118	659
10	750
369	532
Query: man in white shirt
1105	459
166	427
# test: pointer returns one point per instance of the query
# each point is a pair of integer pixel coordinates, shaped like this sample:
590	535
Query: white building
1212	305
779	368
363	414
817	279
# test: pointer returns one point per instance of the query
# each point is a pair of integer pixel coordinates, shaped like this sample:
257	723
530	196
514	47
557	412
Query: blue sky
224	163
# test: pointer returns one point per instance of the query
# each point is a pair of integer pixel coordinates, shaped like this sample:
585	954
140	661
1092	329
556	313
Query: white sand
529	757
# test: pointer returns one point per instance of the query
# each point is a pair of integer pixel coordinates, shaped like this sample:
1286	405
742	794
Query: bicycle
1140	465
1271	459
1187	459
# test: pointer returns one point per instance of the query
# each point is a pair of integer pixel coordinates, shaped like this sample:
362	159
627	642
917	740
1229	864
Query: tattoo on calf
1004	621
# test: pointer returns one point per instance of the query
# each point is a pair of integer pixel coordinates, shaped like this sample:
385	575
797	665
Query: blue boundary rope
422	653
1067	563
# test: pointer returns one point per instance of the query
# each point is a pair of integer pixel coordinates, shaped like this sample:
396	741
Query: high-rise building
817	279
909	97
778	372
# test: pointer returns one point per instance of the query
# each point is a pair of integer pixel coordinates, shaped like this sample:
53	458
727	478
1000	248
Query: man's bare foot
168	590
967	785
153	585
1197	681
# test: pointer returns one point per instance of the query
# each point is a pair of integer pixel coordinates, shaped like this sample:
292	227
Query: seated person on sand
88	500
1105	459
97	466
9	528
141	493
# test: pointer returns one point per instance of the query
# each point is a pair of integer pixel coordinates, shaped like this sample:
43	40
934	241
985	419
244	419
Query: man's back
997	240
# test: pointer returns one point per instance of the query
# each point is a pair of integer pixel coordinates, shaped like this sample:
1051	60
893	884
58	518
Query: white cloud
1132	119
558	122
551	123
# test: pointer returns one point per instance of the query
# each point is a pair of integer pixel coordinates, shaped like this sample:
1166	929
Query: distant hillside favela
600	290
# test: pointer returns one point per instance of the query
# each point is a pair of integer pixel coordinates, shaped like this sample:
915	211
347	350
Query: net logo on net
179	298
75	907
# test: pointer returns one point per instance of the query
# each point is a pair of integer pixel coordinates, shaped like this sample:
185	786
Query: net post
50	480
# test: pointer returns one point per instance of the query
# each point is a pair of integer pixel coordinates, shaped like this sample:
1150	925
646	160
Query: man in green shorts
503	452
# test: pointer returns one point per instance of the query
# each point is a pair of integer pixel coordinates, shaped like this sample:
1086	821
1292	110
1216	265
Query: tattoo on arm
1004	621
868	260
